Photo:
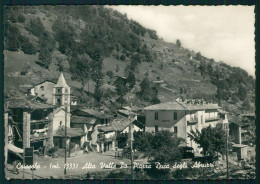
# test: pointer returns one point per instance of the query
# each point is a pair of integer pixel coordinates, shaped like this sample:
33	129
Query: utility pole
65	164
227	129
132	153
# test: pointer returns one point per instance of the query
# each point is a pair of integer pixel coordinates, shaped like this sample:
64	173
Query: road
79	165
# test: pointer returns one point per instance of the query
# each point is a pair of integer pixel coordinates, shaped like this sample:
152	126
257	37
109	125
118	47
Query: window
42	88
156	116
175	129
58	90
58	101
175	115
156	128
66	90
225	126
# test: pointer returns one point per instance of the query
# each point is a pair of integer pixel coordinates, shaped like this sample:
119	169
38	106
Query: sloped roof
106	128
82	120
91	113
237	120
48	80
58	109
61	82
199	106
221	111
71	132
132	108
27	103
120	124
174	105
125	112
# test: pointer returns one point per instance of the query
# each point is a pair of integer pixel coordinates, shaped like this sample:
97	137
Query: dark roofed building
101	117
82	120
90	113
74	135
30	102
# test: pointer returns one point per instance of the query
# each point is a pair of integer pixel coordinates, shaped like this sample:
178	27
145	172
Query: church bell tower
61	93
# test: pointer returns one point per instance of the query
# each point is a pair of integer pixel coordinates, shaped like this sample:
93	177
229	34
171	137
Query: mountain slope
88	42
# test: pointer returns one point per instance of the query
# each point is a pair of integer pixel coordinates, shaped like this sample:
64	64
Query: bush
110	74
28	48
36	27
199	56
119	174
122	57
178	42
21	18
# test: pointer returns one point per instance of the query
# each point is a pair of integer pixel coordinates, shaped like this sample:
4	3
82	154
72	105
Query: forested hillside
95	45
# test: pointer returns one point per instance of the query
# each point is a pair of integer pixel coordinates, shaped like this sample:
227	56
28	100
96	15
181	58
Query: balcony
211	119
192	121
42	121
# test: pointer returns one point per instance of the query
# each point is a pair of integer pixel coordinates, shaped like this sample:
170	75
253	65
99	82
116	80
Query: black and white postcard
129	92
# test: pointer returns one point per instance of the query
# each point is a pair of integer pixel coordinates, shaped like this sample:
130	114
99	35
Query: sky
224	33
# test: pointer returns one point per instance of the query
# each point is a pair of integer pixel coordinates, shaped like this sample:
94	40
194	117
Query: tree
47	45
122	57
121	100
21	18
13	37
130	80
27	47
246	105
96	69
121	88
80	65
211	139
36	27
178	42
162	147
203	68
98	95
145	85
242	92
110	74
135	59
198	56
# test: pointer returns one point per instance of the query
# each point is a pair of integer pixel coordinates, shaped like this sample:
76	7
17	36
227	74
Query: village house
123	127
180	117
43	89
91	120
28	120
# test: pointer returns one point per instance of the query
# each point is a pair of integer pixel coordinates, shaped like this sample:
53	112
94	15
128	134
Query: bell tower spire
61	93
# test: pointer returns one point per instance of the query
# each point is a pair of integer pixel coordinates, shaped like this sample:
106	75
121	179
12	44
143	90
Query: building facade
43	90
182	117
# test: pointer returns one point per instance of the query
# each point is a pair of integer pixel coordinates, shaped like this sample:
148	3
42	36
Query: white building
182	117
